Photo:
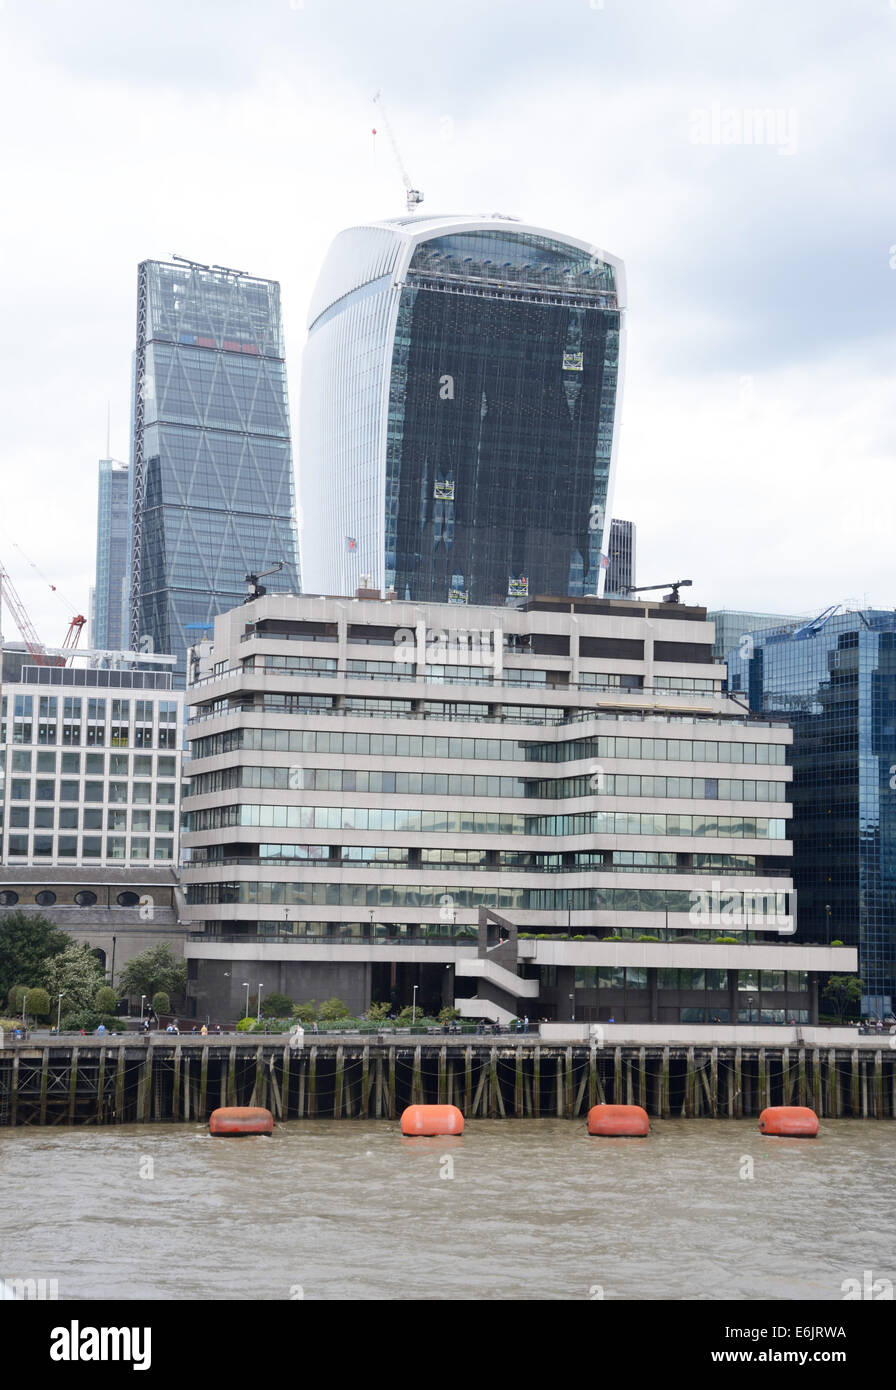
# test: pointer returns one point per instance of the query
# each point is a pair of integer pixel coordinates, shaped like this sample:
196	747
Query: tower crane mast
23	622
413	196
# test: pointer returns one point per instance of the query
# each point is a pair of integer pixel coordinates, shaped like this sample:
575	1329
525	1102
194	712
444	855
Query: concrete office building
366	775
91	757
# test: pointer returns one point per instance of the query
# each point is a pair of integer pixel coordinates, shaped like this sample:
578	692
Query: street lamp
258	1015
827	911
246	987
142	1000
59	1012
414	1007
573	998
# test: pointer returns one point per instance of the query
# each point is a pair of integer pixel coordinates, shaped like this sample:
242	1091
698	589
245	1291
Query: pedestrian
217	1029
203	1031
526	1023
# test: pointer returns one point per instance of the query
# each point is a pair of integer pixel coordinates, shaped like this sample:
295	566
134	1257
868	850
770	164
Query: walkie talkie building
213	496
460	402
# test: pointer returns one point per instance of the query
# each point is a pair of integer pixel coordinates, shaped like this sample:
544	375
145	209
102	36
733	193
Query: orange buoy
794	1121
241	1119
432	1119
618	1121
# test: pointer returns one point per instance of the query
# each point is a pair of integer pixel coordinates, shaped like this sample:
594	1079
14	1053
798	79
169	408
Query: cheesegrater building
212	480
460	398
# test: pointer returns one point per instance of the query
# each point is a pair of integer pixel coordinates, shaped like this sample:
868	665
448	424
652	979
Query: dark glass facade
837	686
110	624
213	493
502	400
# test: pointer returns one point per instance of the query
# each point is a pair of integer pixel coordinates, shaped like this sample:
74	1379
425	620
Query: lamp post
59	1012
142	1001
573	1005
750	1008
827	913
246	987
112	971
258	1015
414	1008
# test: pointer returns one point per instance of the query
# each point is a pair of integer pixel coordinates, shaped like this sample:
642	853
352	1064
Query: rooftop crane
256	590
35	646
413	196
673	586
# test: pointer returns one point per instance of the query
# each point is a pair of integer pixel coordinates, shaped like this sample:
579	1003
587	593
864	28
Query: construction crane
23	622
413	196
673	586
35	646
256	590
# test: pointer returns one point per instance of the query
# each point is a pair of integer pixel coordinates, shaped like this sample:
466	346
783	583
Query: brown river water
512	1210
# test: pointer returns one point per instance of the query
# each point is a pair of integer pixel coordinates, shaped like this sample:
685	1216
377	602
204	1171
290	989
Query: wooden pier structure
133	1079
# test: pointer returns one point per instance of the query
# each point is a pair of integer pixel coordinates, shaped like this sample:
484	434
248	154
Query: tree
77	974
27	942
16	998
161	1004
333	1008
37	1003
843	993
277	1006
305	1013
105	1001
154	970
376	1013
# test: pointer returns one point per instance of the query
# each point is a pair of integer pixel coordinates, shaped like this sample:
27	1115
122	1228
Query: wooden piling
312	1084
101	1087
175	1090
391	1093
878	1085
617	1076
518	1084
493	1084
762	1068
340	1079
203	1084
738	1084
592	1075
14	1097
714	1080
285	1071
642	1077
44	1080
568	1090
365	1082
801	1077
689	1084
442	1092
665	1088
854	1083
536	1082
119	1088
818	1102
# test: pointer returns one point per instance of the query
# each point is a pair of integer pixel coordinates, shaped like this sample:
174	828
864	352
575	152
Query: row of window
76	707
485	822
635	977
74	818
66	847
22	789
297	778
94	764
661	749
84	898
446	899
456	673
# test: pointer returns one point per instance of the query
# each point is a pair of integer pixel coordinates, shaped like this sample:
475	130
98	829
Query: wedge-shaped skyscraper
460	399
213	496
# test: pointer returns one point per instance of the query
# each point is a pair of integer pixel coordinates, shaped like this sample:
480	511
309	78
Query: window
68	847
45	898
115	847
68	818
91	847
9	898
139	846
128	899
93	818
164	849
85	898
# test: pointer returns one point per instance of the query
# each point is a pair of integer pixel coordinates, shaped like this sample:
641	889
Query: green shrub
305	1013
838	942
646	938
448	1014
161	1004
333	1008
376	1013
726	941
104	1000
37	1003
245	1025
88	1019
276	1006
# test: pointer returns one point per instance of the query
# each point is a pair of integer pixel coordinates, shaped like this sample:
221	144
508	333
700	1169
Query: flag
350	543
604	562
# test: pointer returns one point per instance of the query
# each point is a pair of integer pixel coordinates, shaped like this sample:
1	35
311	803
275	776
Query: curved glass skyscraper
460	399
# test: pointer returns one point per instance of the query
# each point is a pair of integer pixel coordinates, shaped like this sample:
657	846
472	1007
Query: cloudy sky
759	418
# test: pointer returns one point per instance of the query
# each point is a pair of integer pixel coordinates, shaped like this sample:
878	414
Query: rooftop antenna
413	196
108	429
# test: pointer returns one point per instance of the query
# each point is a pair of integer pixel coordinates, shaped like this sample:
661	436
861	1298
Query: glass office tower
459	408
621	559
110	615
836	681
213	496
